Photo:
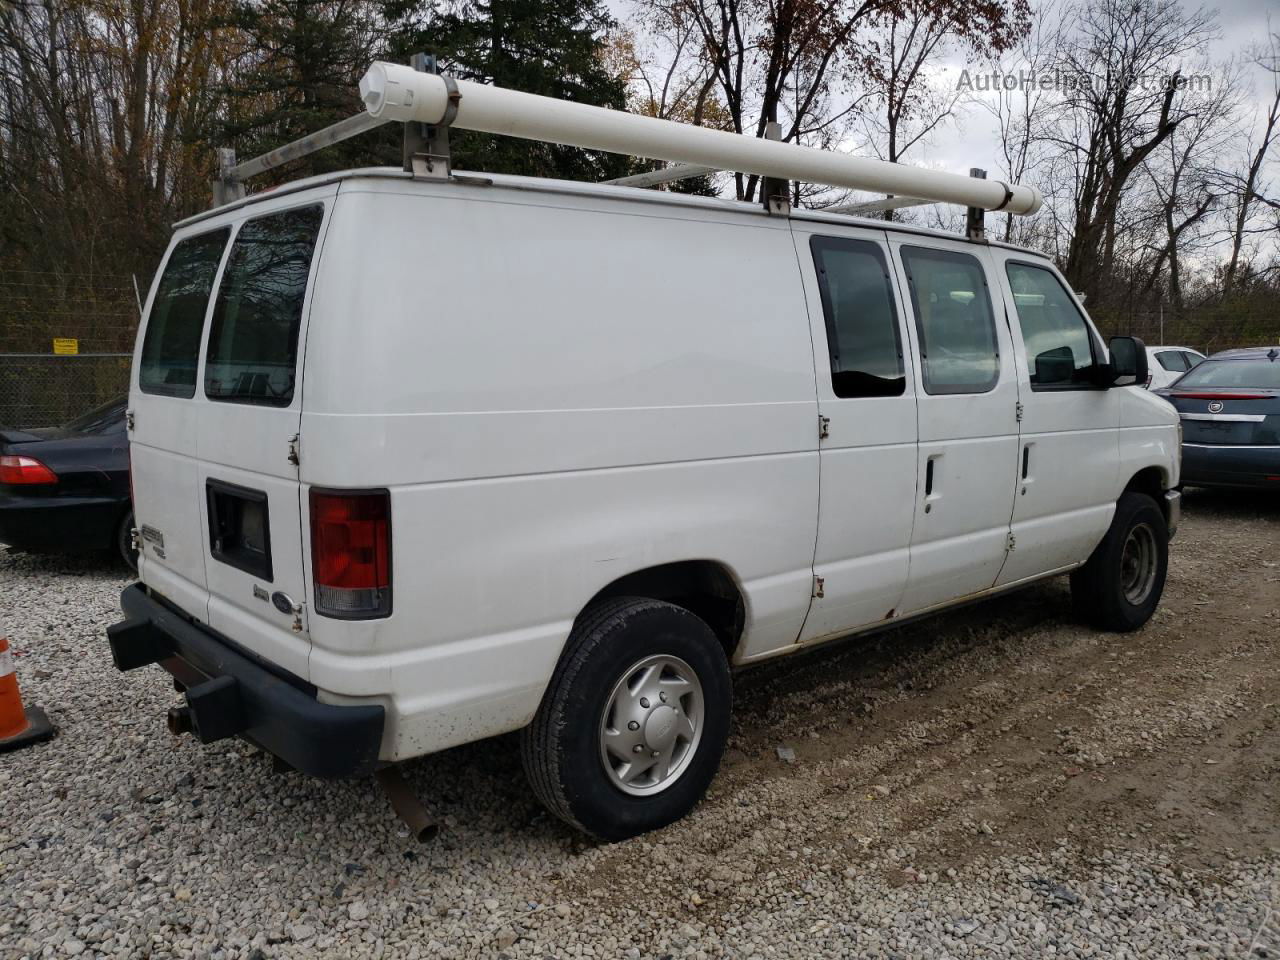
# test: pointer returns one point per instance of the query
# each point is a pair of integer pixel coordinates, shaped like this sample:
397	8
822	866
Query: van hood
1142	408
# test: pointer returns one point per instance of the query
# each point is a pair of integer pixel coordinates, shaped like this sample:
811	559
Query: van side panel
557	391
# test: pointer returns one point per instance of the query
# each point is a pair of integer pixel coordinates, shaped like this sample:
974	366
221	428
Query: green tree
301	63
555	48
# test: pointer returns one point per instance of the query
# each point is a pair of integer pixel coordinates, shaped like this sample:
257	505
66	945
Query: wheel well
703	587
1150	480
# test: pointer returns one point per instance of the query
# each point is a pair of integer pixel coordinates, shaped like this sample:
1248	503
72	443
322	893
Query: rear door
967	410
866	396
163	411
249	414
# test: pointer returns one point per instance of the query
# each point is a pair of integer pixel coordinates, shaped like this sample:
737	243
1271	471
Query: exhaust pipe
407	805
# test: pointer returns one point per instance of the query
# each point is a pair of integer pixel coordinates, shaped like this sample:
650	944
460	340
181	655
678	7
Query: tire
1120	586
589	703
124	542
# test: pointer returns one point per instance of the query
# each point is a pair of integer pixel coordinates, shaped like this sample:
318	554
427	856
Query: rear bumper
1225	465
60	523
230	694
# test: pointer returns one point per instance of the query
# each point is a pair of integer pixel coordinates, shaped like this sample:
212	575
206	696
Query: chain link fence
1207	329
43	390
40	388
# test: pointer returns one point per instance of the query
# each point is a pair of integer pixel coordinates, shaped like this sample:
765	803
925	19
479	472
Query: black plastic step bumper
230	694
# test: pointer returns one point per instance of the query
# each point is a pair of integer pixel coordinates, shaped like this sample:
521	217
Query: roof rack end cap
395	92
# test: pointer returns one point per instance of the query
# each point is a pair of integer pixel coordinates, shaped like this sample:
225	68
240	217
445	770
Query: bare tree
1125	100
1182	182
1018	110
1245	186
910	39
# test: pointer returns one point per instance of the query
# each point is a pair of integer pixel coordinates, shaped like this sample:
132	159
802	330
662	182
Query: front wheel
633	724
1121	584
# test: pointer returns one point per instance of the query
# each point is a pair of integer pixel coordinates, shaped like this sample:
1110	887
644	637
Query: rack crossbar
877	206
334	133
677	171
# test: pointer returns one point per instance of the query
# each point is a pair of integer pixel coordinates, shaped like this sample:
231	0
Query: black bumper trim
229	694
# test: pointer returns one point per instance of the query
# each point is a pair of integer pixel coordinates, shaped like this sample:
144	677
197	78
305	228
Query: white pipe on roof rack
391	91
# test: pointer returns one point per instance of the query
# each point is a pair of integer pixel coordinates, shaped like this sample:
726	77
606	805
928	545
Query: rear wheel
1121	585
124	542
633	724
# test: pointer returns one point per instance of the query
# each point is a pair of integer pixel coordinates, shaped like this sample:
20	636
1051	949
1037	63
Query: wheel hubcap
1138	564
651	726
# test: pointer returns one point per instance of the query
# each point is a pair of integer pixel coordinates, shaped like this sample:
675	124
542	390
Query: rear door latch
294	456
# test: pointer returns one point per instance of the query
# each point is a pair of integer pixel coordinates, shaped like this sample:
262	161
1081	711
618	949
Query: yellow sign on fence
66	346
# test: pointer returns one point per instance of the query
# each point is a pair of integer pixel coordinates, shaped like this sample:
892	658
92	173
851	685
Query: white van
417	462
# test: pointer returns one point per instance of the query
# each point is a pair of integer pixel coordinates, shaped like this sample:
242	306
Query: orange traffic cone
18	727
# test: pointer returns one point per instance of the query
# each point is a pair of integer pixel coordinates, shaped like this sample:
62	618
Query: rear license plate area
239	528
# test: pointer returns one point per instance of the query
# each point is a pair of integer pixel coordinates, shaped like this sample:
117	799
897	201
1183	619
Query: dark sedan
1230	408
67	488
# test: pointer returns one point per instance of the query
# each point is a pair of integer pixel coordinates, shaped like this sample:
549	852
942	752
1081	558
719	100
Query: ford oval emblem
282	602
1215	406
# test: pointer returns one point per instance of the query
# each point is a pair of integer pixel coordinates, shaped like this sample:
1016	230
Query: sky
972	141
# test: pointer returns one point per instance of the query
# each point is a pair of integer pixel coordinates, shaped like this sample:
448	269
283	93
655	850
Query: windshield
1259	373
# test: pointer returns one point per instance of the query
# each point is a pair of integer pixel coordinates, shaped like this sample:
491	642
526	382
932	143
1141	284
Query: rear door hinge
1013	542
818	584
128	419
1018	411
295	457
824	427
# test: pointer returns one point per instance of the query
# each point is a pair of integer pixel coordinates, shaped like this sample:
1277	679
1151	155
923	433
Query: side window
862	325
1191	358
171	345
958	346
253	339
1172	360
1057	339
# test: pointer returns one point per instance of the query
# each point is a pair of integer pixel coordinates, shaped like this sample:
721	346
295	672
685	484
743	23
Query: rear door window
862	325
171	345
1175	361
253	339
958	346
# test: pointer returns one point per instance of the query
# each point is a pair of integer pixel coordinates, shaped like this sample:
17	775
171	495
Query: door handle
1026	460
928	482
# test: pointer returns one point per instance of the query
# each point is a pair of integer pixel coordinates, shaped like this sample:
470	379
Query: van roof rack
428	103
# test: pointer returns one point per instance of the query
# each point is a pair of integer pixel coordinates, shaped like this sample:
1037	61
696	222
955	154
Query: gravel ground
996	782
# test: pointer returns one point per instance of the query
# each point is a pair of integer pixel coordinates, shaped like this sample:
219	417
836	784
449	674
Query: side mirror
1128	362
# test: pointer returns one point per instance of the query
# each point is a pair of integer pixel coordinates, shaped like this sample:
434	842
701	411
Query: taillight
1150	377
25	470
351	552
